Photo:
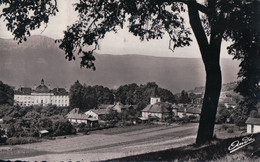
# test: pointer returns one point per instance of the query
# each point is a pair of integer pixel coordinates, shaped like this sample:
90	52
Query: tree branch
197	28
200	7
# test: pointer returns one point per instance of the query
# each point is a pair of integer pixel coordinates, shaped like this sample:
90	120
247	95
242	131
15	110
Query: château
41	95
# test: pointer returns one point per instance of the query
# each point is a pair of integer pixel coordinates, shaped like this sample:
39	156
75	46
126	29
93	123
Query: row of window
32	97
29	104
42	101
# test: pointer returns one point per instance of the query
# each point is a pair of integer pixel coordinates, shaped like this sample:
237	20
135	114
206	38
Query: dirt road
103	146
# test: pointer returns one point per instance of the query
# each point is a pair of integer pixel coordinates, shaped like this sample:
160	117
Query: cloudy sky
121	43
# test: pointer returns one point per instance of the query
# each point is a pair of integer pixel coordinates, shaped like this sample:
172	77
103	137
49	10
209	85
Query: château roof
23	91
42	88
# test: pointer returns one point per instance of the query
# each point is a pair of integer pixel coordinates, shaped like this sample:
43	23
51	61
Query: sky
120	43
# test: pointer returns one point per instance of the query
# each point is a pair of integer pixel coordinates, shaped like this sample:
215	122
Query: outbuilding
253	125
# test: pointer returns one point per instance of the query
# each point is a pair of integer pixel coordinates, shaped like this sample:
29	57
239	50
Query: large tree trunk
210	102
210	52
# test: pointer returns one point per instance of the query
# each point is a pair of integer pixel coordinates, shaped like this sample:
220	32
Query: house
156	109
43	133
119	107
75	117
188	110
98	113
160	110
230	104
253	125
175	108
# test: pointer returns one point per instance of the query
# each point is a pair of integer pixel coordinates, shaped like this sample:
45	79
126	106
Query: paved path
102	147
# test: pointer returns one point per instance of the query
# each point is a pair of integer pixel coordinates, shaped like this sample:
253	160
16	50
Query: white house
188	111
253	125
156	109
75	117
97	113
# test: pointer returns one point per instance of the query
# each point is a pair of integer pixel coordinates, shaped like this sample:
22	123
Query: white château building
42	96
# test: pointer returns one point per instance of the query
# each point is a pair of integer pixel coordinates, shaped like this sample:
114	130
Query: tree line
89	97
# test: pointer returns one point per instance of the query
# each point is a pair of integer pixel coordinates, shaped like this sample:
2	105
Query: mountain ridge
26	64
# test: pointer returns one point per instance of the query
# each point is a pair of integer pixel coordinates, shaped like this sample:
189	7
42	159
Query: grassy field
216	151
121	142
105	144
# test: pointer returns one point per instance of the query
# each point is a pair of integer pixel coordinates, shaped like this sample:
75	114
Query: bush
230	130
21	140
224	126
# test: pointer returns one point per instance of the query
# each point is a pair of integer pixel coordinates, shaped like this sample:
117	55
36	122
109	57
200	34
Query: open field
110	143
105	144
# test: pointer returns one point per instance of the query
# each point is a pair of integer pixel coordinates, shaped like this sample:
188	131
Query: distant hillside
26	64
225	87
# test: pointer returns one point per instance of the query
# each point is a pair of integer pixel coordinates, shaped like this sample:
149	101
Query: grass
216	151
119	130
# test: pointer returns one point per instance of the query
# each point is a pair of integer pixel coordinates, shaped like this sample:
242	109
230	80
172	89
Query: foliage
28	121
62	127
21	140
239	116
6	94
89	97
150	19
24	16
133	94
184	98
223	114
245	47
2	137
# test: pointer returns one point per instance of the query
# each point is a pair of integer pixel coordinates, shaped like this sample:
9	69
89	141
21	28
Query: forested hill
225	87
26	64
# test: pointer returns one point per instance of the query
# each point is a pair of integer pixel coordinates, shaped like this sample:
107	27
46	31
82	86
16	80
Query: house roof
193	110
105	106
120	106
43	131
158	107
78	116
190	109
255	121
75	114
101	111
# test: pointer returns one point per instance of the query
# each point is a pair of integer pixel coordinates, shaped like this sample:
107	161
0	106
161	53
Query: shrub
224	126
230	130
21	140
